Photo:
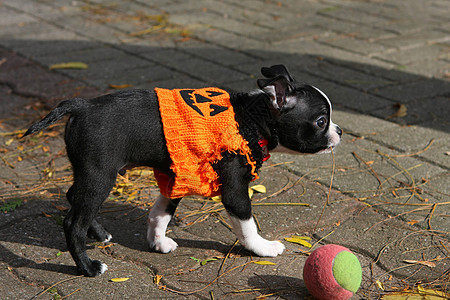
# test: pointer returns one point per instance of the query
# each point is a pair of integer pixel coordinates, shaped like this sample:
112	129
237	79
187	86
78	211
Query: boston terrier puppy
112	133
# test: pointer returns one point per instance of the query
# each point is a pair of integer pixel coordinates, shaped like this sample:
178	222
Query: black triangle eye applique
189	96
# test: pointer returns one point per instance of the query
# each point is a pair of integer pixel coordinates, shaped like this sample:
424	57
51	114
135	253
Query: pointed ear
275	71
277	89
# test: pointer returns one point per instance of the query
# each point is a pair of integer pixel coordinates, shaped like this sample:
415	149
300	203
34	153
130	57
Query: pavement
384	193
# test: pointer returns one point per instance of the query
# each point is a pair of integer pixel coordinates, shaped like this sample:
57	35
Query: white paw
103	268
164	245
265	248
108	238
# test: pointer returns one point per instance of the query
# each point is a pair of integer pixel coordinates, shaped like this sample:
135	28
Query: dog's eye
321	122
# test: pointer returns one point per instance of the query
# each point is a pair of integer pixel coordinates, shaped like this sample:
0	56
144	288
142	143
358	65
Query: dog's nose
338	130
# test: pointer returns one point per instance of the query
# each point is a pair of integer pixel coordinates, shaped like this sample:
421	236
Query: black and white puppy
111	133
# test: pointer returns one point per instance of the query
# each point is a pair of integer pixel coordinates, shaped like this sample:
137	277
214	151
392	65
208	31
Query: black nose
339	130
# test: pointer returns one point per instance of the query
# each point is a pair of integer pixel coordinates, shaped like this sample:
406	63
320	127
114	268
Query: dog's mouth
327	150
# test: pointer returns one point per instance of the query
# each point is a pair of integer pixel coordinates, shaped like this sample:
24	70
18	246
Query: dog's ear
275	71
278	89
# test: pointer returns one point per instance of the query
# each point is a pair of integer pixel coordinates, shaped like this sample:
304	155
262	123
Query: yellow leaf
259	188
19	158
380	285
299	240
264	262
9	142
250	193
20	147
69	65
119	279
157	279
120	86
216	198
419	294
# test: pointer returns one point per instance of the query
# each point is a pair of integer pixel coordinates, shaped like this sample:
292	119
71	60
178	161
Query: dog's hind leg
87	194
158	219
96	230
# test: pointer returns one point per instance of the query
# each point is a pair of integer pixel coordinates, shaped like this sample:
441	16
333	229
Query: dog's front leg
158	219
237	202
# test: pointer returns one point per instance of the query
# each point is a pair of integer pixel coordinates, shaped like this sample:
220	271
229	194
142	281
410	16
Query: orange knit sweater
199	125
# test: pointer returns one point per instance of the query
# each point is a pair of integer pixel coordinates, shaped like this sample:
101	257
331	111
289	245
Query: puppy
112	133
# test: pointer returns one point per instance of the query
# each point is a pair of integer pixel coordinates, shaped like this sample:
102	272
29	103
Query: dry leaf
259	188
264	262
380	285
157	279
412	222
119	279
120	86
69	65
419	294
401	111
301	240
105	246
216	198
421	262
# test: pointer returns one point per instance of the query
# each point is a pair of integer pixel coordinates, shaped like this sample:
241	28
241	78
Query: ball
332	272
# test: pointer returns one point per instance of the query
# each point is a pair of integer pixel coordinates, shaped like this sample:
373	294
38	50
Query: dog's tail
64	108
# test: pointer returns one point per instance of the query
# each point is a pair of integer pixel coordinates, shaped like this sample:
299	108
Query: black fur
108	134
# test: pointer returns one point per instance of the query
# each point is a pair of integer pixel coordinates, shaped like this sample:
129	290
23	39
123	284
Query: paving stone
408	92
366	55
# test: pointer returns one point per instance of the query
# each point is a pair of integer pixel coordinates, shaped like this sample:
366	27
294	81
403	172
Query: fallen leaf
60	207
69	65
119	279
157	279
419	294
250	193
196	259
380	285
264	262
412	222
120	86
9	142
259	188
301	240
421	262
216	198
401	111
204	262
105	246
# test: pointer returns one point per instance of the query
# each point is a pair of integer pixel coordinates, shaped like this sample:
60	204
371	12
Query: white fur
247	233
103	268
158	219
108	238
326	97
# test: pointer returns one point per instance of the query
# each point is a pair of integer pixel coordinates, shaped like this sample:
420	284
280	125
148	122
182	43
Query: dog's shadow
277	286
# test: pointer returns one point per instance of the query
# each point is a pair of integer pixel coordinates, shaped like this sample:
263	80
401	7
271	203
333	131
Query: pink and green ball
332	272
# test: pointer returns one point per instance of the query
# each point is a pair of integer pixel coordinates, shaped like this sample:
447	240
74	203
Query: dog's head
302	112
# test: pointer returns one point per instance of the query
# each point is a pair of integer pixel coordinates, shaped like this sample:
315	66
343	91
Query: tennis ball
332	272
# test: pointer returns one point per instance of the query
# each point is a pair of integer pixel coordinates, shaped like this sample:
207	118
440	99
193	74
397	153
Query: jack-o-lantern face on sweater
196	99
199	126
